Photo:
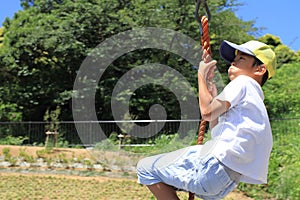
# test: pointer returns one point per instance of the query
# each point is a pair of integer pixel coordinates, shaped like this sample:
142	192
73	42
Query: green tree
298	55
45	45
271	40
283	53
179	16
175	15
282	92
1	36
8	111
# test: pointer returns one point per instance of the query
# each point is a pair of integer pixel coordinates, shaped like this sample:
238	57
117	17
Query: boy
241	143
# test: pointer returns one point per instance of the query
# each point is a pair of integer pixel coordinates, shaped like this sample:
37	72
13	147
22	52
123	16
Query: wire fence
141	131
88	133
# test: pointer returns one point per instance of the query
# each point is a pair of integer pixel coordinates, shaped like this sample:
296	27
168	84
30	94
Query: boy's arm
210	107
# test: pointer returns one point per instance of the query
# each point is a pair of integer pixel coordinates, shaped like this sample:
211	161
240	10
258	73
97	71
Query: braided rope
205	41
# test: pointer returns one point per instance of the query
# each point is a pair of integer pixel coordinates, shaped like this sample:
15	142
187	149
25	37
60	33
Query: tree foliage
44	46
283	53
1	36
282	92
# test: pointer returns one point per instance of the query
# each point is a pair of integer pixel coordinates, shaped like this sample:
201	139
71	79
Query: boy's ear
260	70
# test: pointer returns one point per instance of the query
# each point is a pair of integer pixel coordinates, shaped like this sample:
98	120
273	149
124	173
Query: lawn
40	186
66	183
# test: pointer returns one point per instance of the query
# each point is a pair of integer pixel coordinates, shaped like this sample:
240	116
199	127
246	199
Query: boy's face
242	65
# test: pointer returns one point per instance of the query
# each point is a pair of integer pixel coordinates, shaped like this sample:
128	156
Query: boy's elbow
209	115
214	110
206	115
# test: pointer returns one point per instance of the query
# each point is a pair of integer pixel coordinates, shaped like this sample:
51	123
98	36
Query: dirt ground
71	153
32	151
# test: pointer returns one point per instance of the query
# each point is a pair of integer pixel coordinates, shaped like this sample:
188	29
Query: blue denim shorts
184	169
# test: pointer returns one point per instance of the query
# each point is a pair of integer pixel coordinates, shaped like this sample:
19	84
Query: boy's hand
206	70
205	56
207	74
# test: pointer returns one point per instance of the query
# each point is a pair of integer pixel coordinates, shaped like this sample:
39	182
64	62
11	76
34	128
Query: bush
284	167
282	92
10	140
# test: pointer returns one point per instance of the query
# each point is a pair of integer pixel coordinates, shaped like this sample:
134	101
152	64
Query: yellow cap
254	48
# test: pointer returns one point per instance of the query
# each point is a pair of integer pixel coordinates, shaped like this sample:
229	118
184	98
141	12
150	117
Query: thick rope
205	41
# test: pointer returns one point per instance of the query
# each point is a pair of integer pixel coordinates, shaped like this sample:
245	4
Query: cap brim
227	50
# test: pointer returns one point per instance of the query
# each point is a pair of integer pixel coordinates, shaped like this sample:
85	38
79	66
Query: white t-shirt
243	134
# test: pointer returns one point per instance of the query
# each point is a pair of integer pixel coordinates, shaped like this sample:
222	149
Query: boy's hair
265	77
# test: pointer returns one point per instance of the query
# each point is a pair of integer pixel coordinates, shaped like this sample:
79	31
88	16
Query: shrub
10	140
25	156
8	157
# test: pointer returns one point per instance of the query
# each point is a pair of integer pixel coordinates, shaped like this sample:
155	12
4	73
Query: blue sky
279	18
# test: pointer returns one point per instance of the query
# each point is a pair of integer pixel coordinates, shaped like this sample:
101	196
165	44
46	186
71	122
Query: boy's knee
145	165
141	169
141	165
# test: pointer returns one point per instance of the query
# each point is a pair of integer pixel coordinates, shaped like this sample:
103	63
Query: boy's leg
163	192
156	169
159	173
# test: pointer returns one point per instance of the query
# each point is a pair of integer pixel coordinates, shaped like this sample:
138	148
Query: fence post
29	132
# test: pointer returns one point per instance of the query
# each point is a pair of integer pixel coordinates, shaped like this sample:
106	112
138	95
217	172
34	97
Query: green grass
16	186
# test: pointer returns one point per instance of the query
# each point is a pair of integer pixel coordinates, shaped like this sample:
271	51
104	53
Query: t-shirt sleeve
234	92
